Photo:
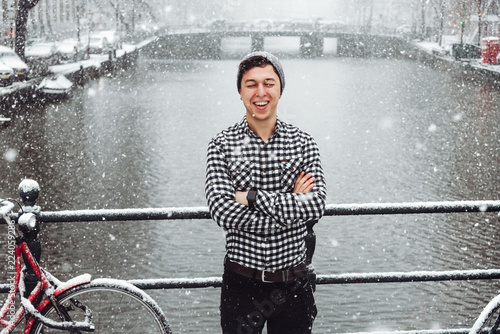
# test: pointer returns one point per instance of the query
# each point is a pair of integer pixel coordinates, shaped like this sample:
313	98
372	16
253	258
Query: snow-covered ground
443	51
69	68
94	61
435	47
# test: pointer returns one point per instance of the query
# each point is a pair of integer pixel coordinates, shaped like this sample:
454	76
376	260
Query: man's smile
261	103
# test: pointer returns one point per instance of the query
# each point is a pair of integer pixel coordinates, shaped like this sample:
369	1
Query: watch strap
252	197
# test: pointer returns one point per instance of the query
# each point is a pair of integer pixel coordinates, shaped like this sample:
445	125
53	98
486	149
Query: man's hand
304	183
241	197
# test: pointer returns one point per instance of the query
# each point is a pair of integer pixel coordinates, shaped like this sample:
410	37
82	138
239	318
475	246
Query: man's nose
261	91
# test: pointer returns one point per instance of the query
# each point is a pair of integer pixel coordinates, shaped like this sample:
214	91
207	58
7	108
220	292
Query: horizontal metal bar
126	214
330	210
414	276
355	278
422	331
411	208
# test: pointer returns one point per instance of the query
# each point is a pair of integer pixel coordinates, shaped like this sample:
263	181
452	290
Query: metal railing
30	194
330	210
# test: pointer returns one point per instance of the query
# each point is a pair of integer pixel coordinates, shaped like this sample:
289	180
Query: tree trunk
441	21
23	9
423	27
479	23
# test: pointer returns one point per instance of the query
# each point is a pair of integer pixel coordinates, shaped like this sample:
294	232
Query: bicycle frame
47	303
44	286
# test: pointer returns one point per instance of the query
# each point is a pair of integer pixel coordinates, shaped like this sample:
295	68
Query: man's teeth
261	103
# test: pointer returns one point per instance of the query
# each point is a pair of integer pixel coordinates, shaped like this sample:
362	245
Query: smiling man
264	182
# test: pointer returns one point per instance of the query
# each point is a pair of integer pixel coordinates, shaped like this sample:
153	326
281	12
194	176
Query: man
264	182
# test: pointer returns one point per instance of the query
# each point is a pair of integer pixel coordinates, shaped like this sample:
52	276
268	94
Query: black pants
247	304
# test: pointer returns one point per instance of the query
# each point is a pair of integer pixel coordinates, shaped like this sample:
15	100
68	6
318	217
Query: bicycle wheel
488	321
117	307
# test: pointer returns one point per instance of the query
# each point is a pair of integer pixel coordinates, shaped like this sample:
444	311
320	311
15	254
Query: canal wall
472	69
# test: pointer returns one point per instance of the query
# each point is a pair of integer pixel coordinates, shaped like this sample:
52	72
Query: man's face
260	92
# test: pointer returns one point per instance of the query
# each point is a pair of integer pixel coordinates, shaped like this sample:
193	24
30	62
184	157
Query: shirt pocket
241	174
290	170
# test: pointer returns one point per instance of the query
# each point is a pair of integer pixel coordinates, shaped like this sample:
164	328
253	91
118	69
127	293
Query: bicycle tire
488	321
117	307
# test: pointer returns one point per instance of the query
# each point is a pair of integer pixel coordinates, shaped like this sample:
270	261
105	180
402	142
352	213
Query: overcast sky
384	12
279	9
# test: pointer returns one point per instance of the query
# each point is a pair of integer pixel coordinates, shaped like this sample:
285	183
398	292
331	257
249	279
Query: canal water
388	130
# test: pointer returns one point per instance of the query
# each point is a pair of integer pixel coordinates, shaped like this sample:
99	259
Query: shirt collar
245	128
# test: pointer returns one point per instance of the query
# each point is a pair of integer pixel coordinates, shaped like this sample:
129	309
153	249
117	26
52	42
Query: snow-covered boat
56	86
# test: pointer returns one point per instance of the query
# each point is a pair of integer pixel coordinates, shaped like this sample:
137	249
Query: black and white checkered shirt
271	235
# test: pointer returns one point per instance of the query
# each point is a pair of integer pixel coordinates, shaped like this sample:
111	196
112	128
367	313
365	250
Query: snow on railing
351	278
389	277
330	210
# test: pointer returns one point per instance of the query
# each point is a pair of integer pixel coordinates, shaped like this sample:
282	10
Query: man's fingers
299	178
308	183
304	183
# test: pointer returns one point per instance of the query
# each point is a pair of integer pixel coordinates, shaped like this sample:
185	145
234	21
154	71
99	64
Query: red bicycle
78	305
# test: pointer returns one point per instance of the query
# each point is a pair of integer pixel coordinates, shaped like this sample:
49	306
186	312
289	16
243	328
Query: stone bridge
208	44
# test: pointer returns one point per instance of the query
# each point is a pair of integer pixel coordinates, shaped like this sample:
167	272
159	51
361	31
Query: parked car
328	25
43	50
98	44
217	24
6	75
404	29
71	50
9	58
263	24
301	25
41	55
112	37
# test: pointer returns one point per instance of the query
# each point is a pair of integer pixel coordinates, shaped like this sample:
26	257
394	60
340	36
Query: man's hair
260	59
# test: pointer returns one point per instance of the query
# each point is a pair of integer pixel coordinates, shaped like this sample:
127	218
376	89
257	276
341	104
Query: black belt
284	276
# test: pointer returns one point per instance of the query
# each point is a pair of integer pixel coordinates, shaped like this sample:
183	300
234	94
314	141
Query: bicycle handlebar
5	207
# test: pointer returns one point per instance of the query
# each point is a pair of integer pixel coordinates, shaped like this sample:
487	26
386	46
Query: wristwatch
252	197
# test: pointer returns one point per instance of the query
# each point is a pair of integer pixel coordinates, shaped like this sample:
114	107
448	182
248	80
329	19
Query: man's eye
269	85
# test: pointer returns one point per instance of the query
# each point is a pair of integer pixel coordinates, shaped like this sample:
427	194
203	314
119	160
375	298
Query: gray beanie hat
273	60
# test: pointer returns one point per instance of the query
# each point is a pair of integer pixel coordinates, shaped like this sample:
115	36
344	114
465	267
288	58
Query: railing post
29	190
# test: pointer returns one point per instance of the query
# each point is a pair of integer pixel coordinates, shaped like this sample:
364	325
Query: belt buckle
263	276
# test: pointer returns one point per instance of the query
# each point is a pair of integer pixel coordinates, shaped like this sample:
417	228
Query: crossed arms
273	209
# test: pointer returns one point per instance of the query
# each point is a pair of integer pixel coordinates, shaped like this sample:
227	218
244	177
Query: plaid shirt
271	235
